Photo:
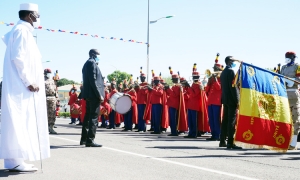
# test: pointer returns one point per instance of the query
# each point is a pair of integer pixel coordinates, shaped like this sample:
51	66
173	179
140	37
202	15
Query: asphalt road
131	155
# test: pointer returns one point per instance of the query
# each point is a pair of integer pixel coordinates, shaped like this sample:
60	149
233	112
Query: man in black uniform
230	101
93	93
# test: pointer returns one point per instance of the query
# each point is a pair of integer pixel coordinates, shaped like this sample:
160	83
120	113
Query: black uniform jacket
229	94
93	85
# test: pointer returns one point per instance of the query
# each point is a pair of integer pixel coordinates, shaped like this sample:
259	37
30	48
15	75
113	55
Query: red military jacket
198	102
157	95
105	104
186	96
133	96
112	93
75	110
106	97
174	96
73	98
213	91
142	94
125	90
194	97
83	109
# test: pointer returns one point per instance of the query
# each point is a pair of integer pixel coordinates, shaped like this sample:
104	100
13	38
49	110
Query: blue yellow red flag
264	119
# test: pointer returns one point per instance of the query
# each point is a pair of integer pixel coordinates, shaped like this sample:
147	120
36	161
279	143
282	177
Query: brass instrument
215	73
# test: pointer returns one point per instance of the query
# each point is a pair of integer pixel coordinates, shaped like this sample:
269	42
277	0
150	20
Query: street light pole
148	44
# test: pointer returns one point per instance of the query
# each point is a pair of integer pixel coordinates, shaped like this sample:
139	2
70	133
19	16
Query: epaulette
298	70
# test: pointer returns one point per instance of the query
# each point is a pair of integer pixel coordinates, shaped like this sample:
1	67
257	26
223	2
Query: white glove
289	83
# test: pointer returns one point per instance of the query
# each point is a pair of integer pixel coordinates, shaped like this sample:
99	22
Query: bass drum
120	103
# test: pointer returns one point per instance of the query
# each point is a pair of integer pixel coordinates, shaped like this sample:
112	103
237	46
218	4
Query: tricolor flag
264	119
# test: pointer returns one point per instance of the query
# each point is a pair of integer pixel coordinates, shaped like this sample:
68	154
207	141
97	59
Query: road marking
167	161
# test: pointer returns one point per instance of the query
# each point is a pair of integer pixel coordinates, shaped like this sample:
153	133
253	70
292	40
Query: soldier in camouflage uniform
292	70
51	97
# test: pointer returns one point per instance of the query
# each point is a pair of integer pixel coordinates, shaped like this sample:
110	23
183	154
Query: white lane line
167	161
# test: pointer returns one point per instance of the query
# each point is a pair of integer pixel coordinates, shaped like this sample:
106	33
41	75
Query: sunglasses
36	15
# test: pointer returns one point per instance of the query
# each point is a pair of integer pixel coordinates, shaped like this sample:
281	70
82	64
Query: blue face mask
97	58
233	65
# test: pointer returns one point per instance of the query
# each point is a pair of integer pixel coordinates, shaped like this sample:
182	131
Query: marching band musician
75	110
163	128
214	93
148	108
142	98
131	117
197	109
124	87
132	83
105	109
120	87
72	100
82	103
292	70
158	102
185	88
113	116
185	97
174	103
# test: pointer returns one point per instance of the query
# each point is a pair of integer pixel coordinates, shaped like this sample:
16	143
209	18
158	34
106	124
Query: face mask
287	60
97	58
48	75
37	23
233	65
207	76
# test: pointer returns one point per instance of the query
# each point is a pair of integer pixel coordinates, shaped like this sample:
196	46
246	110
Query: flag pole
298	82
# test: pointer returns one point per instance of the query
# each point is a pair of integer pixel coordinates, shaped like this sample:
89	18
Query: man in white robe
24	126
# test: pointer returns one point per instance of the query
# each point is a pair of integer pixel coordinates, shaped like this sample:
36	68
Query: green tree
168	80
120	76
65	81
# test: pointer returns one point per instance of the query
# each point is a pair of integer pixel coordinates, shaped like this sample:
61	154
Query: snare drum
120	103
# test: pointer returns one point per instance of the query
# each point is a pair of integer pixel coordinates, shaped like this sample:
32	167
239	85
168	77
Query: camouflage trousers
51	109
294	100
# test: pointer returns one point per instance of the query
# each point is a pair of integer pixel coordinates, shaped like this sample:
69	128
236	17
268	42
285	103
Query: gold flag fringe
254	146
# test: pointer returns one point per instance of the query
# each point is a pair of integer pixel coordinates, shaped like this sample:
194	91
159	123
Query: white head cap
29	7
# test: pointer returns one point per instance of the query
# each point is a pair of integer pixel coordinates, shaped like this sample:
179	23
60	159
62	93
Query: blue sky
256	31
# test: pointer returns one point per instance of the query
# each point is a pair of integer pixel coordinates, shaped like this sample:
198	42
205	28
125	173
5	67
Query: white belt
291	89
